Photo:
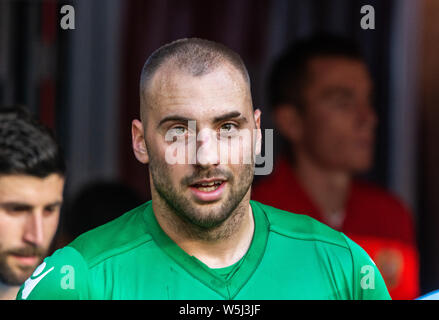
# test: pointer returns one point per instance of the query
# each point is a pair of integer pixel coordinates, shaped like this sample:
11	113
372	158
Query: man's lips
26	260
207	181
208	190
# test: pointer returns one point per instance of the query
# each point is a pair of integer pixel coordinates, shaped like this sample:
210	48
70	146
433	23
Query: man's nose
33	232
207	148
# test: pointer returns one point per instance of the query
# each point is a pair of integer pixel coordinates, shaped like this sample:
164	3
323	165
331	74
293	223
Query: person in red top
320	91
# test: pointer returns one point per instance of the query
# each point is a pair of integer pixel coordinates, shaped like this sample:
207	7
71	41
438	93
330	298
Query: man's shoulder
117	236
54	278
300	226
334	250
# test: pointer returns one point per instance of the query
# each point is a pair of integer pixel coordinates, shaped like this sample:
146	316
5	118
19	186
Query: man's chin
361	167
205	215
206	220
24	270
207	205
16	277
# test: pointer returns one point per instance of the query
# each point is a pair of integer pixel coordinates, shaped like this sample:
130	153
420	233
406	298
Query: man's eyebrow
347	92
13	204
230	115
54	204
173	118
25	206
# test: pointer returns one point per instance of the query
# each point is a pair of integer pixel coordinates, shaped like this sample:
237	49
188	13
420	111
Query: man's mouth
27	260
208	190
208	186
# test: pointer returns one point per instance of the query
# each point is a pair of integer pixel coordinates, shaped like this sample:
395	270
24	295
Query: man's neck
328	189
217	248
8	292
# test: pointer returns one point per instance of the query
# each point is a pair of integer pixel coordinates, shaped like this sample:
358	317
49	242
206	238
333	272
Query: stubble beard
16	278
196	221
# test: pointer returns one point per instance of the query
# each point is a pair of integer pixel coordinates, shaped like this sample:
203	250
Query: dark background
84	82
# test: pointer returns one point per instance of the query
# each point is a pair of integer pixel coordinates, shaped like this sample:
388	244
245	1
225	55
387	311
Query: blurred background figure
321	94
32	172
95	204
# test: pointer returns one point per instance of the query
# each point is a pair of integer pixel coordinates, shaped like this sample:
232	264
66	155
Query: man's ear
289	122
258	144
138	140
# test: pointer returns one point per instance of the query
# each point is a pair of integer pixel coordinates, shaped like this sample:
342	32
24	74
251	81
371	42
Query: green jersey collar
229	287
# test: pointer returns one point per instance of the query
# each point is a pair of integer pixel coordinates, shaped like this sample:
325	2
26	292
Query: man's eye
178	131
50	209
16	210
228	127
343	103
20	208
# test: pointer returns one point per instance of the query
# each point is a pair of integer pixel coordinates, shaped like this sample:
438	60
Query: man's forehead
337	67
16	186
345	72
173	90
170	76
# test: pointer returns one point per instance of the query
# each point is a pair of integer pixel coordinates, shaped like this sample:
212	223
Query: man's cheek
51	227
329	146
230	151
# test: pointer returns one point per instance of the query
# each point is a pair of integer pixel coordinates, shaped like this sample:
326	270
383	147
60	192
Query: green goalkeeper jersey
291	256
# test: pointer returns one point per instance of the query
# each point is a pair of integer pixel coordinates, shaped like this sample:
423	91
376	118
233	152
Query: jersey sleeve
368	284
61	276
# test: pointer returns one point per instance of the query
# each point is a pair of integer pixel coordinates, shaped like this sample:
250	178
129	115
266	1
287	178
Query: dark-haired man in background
320	91
31	192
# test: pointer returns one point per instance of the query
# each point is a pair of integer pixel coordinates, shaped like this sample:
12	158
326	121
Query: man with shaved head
201	237
212	81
